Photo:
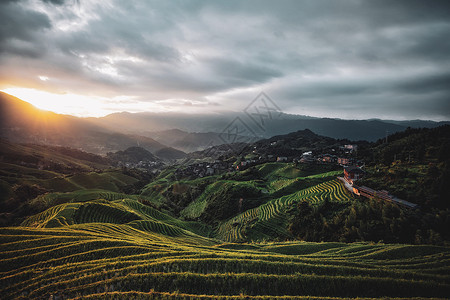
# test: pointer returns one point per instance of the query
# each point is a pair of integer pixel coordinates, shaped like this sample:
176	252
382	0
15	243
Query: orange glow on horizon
71	104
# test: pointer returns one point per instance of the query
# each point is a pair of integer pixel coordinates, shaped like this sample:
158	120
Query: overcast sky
348	59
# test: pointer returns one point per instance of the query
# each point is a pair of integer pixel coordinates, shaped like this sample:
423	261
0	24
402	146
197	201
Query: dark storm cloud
326	56
426	84
243	72
19	27
57	2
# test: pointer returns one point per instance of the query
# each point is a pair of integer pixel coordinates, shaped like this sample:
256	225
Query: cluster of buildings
307	157
261	160
146	165
203	169
341	156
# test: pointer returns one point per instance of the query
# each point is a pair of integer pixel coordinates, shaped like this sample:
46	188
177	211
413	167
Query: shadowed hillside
23	123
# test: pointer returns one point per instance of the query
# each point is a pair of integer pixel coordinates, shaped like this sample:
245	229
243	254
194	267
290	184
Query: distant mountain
335	128
415	123
188	141
165	127
168	133
23	123
301	138
132	155
169	153
153	122
294	144
214	152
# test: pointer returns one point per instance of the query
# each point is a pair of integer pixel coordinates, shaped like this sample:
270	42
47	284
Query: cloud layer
349	59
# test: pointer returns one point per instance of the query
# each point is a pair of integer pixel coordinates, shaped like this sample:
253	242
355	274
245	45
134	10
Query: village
153	167
344	157
202	169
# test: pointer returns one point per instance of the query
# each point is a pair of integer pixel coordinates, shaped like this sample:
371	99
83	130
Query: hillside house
328	158
209	171
344	161
307	159
353	173
351	148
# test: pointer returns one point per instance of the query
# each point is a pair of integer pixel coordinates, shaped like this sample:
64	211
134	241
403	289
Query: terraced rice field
279	184
114	212
95	244
269	218
107	261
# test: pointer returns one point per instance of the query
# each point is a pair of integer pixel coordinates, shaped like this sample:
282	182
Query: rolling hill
28	171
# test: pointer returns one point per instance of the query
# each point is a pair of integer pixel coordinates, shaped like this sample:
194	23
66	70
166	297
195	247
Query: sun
70	104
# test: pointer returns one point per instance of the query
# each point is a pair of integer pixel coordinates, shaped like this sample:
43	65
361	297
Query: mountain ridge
21	122
370	130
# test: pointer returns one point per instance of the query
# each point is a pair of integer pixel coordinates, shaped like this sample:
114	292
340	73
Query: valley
262	220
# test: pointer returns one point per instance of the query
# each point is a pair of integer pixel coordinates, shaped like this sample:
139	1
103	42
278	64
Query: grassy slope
273	180
270	220
31	154
108	180
71	170
282	186
100	244
218	188
123	211
103	260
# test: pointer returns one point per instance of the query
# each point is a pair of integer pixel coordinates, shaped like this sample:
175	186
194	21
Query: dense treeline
413	165
369	220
